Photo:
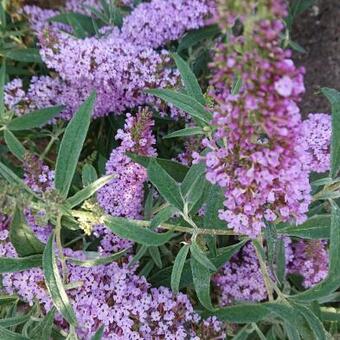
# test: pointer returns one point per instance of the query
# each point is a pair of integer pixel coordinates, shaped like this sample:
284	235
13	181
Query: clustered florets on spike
260	165
123	196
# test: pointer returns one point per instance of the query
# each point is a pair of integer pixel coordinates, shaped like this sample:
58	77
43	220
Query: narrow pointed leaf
187	132
25	55
334	98
71	146
44	329
201	278
88	191
2	87
54	283
88	174
156	256
17	264
6	334
22	237
99	260
99	334
132	231
189	79
14	145
185	103
178	268
200	257
164	215
34	119
165	184
14	321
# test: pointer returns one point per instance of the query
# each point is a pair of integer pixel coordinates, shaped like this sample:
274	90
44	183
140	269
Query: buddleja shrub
239	236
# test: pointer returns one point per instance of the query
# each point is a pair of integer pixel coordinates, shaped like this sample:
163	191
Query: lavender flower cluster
124	195
119	64
114	296
261	163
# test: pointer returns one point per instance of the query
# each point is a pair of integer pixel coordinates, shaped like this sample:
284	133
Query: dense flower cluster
157	22
114	296
260	165
119	64
317	131
123	196
309	258
240	279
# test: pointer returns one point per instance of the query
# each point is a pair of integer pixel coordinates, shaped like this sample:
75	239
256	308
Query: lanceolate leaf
22	237
71	146
201	258
185	103
165	184
201	278
44	329
187	132
25	55
2	86
99	260
88	175
12	178
161	278
191	84
317	227
14	145
88	191
178	268
6	334
164	215
312	320
334	98
176	170
34	119
99	334
17	264
54	283
14	321
134	232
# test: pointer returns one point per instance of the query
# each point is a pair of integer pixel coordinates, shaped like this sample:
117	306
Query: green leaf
22	237
236	86
176	170
201	278
88	174
14	321
334	98
314	323
8	299
44	328
12	178
164	215
132	231
191	131
6	334
2	86
34	119
14	145
88	191
161	278
191	84
99	260
281	261
156	256
200	257
17	264
194	37
317	227
332	281
99	333
242	313
25	55
177	269
54	284
71	146
185	103
165	184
